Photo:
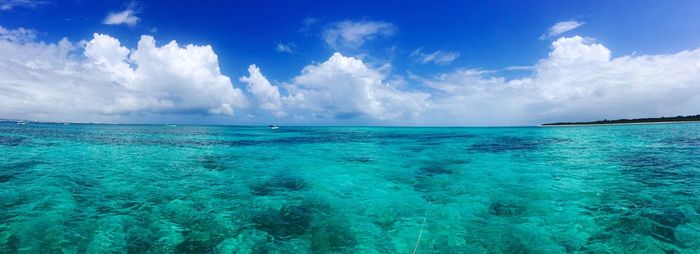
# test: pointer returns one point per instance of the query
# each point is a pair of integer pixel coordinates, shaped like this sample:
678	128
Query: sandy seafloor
225	189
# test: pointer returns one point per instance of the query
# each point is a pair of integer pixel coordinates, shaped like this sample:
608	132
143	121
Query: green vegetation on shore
637	120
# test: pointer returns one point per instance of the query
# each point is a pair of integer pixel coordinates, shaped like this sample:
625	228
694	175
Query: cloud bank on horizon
102	80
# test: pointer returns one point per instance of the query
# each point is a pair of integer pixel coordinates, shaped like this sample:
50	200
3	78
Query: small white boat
21	122
273	127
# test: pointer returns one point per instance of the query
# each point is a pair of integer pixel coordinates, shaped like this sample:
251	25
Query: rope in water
422	226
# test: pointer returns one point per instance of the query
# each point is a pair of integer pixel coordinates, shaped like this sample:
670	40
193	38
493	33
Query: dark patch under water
279	184
332	236
638	217
511	143
654	170
214	162
503	208
9	171
311	218
505	144
11	141
11	245
191	245
432	182
434	170
287	222
666	221
359	159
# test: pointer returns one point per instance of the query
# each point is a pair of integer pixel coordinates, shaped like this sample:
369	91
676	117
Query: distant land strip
695	118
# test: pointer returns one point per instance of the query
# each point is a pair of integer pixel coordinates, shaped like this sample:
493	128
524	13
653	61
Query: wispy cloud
17	35
560	28
285	47
355	33
520	68
438	57
7	5
125	17
307	23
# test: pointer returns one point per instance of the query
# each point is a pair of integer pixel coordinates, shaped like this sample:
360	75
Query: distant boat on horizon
273	127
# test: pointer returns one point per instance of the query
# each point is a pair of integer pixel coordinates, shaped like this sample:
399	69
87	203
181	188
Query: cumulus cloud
345	88
6	5
438	57
560	28
101	80
579	80
125	17
341	88
267	95
286	48
355	33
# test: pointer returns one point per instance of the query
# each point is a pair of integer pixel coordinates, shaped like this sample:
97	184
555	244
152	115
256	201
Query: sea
90	188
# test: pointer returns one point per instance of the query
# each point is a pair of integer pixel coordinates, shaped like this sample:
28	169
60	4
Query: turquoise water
222	189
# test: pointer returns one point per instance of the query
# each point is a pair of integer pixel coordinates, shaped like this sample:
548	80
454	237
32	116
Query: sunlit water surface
221	189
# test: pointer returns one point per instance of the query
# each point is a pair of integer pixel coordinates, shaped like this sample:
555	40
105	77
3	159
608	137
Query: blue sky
406	53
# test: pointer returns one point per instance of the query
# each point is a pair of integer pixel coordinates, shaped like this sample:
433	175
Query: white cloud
437	57
346	88
355	33
17	35
577	81
341	88
286	48
6	5
104	80
560	28
125	17
267	95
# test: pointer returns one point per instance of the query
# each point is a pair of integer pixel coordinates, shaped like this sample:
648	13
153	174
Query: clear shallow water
216	189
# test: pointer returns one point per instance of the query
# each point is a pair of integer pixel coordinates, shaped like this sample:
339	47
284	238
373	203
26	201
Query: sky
406	63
